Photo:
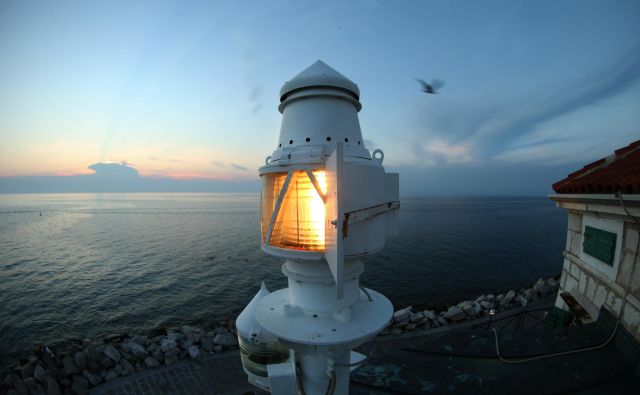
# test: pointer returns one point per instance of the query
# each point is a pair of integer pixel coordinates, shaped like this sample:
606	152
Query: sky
184	94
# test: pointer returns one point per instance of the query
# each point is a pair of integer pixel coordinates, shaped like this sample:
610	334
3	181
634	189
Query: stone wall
590	284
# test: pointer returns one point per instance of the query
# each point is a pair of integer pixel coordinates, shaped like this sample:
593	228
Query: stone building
603	204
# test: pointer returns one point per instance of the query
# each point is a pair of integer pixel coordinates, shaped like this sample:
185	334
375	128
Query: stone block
630	236
601	296
567	246
575	222
631	316
614	303
563	277
571	284
560	302
591	288
575	270
576	244
626	266
582	283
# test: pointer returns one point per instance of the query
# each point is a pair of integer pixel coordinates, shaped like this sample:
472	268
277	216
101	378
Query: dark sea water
101	263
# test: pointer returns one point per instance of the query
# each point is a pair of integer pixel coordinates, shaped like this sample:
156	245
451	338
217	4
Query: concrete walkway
212	374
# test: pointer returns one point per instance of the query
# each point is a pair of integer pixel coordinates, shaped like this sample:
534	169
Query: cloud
120	177
113	170
530	128
228	165
440	152
254	98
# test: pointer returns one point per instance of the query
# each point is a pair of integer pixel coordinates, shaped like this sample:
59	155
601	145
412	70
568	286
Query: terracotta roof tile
618	172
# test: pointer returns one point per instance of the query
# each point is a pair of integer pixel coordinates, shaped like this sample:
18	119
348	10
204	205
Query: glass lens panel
300	222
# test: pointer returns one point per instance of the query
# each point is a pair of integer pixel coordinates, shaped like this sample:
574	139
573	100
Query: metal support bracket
353	217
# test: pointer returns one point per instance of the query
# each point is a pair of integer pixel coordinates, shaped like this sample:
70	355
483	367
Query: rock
107	362
49	358
26	370
65	382
114	337
121	370
141	340
69	365
153	347
486	305
472	309
168	344
402	314
175	336
194	352
111	375
173	353
220	329
428	314
157	354
137	350
442	321
13	380
207	345
500	297
53	388
77	389
186	345
411	326
508	298
127	365
93	360
490	297
81	381
126	346
225	340
39	373
396	331
553	284
401	324
33	385
151	362
481	298
183	354
454	314
415	317
522	300
111	352
170	360
529	294
190	333
80	358
217	348
92	378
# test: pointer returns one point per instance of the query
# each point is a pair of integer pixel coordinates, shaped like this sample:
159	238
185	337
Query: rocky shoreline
77	365
406	319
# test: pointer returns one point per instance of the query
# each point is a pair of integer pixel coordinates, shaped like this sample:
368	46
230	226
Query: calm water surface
80	265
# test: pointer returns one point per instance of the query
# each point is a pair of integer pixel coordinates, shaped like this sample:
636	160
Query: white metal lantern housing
326	201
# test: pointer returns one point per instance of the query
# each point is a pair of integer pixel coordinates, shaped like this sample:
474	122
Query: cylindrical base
321	329
316	367
312	288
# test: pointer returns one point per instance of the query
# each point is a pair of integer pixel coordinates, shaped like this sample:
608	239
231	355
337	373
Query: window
600	244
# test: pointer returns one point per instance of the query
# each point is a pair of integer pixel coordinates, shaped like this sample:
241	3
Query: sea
83	265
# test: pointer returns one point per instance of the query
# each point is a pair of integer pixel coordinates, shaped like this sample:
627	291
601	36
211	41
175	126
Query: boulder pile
80	365
407	319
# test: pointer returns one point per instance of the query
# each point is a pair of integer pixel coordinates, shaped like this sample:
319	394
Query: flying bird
432	87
